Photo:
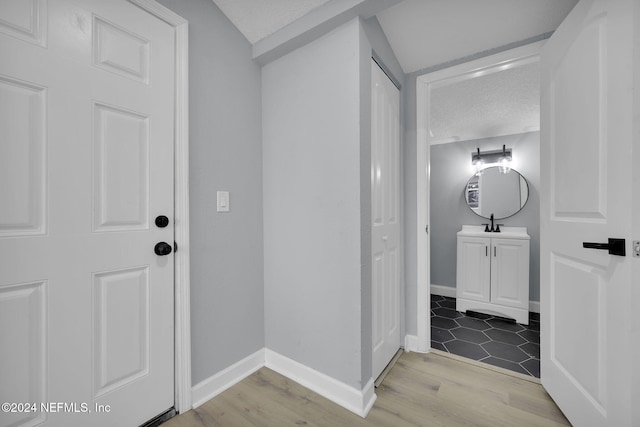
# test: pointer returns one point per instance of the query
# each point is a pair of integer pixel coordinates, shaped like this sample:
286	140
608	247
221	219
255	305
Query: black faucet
491	230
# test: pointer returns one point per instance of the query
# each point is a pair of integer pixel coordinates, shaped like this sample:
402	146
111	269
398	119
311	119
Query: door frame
473	68
182	285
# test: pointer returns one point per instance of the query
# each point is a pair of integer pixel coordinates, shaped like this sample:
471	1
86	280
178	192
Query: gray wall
311	186
317	200
450	171
227	277
227	308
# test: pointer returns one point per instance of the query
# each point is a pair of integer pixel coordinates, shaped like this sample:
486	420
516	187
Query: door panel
578	342
22	158
24	19
586	141
23	306
378	278
88	123
121	328
120	51
575	194
385	196
121	169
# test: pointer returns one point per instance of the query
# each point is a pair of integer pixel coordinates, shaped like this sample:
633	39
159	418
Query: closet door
385	199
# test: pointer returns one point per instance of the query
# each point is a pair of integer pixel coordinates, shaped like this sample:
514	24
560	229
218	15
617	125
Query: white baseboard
411	343
448	291
357	401
534	306
217	383
445	291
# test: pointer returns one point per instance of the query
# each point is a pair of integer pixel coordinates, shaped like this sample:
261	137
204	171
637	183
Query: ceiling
422	33
257	19
501	100
425	33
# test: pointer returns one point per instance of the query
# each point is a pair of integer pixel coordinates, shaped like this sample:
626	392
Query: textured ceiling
499	103
257	19
424	33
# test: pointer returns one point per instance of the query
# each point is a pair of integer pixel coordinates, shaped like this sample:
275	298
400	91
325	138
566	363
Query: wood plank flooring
421	390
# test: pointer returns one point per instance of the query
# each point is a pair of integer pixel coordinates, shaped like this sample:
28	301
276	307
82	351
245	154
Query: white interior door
86	165
385	199
586	170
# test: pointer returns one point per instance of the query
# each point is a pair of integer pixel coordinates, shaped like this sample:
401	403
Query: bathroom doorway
488	104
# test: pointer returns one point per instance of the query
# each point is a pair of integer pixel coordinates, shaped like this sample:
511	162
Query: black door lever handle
615	246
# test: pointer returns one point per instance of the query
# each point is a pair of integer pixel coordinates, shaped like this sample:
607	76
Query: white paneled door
586	196
385	200
86	166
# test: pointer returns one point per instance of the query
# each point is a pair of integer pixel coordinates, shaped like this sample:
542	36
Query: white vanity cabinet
493	272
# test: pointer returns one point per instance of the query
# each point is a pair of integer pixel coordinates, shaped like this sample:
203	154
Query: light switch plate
223	201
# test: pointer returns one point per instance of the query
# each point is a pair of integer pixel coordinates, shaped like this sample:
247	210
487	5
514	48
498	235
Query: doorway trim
182	285
473	68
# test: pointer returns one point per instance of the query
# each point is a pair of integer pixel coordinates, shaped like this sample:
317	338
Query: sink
505	232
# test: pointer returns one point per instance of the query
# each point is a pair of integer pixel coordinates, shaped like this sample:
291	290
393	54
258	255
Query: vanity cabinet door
510	272
473	275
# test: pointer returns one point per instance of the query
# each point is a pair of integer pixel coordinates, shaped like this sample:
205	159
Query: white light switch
223	201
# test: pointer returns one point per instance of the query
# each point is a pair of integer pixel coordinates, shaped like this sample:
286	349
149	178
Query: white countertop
505	232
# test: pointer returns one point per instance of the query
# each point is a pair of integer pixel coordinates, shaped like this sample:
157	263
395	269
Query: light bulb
504	165
479	165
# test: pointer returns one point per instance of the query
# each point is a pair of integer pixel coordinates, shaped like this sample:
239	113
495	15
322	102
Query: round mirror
498	193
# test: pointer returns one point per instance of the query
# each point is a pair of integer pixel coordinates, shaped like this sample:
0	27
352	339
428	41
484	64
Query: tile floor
489	339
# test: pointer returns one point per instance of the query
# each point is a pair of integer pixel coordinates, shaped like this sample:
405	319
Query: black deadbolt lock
162	221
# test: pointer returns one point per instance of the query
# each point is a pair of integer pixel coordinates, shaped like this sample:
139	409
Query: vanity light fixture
477	162
504	163
500	157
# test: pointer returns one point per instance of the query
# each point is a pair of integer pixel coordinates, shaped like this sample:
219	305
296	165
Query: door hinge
636	248
426	229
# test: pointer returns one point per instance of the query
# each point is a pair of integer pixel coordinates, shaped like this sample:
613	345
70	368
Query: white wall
311	188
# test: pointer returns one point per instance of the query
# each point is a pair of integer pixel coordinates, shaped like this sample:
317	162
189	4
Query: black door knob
162	221
162	248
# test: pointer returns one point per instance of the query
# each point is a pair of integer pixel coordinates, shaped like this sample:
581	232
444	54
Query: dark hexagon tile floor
489	339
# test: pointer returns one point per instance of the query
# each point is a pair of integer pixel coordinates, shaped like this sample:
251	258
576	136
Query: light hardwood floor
420	390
